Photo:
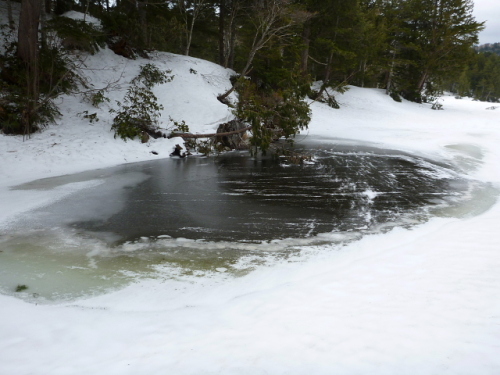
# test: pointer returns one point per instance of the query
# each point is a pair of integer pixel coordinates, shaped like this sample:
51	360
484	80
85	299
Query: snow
82	17
410	301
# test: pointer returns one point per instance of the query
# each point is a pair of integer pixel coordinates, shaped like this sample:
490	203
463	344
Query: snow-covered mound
411	301
74	15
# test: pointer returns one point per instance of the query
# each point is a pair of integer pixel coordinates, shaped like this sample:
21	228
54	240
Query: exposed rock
177	152
144	137
236	141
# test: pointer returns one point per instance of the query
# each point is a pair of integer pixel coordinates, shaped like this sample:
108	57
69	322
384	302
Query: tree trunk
304	54
328	72
48	6
86	11
422	81
222	98
28	52
222	32
142	6
189	37
232	10
27	39
43	20
388	86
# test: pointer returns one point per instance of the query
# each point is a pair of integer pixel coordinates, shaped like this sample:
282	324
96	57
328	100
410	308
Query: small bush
179	127
140	111
272	114
150	75
96	98
437	106
395	96
77	34
21	288
23	111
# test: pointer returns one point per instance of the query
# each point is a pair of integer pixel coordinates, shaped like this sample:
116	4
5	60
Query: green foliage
490	47
435	42
151	75
13	108
395	96
77	34
58	73
272	114
21	288
140	111
179	127
480	79
16	106
135	28
271	100
22	112
96	98
204	147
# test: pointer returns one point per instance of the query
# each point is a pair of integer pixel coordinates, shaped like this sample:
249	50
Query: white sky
489	11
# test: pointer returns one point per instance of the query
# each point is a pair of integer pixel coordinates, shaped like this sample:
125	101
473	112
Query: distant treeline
480	79
411	48
489	47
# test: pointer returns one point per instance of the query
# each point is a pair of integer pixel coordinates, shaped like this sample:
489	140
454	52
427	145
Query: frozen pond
197	216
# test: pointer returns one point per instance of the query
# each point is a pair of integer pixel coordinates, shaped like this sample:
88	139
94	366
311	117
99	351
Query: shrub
21	288
23	112
77	34
140	111
272	114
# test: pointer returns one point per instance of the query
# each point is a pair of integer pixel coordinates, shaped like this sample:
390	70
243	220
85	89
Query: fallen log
210	135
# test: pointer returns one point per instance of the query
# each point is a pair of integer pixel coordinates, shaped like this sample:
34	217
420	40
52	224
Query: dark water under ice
199	215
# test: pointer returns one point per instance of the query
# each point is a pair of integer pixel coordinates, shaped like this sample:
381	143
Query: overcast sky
489	11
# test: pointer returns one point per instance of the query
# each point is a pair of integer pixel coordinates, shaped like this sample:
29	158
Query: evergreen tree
439	35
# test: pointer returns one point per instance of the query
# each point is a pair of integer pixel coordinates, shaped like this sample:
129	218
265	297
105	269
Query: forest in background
414	49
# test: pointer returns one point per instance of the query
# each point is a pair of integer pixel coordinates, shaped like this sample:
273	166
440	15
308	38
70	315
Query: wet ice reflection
196	216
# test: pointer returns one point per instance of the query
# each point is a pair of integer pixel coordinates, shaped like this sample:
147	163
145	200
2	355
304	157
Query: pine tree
439	35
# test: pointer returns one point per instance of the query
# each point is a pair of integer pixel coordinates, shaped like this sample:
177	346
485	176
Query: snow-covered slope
411	301
75	144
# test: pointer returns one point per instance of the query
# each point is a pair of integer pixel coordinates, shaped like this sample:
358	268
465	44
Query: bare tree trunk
232	9
86	11
142	6
232	44
222	32
362	69
304	54
189	37
28	52
43	19
198	7
388	86
328	72
422	81
245	70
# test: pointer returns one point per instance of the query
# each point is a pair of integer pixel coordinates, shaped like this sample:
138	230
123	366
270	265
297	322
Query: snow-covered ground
424	300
